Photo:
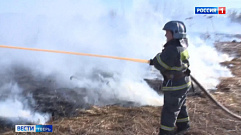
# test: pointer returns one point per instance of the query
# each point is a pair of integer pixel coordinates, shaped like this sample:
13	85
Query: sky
21	6
190	4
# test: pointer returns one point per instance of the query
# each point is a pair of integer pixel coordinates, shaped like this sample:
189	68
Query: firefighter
173	64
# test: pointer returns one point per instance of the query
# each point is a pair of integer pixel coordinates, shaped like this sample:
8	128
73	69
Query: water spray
128	59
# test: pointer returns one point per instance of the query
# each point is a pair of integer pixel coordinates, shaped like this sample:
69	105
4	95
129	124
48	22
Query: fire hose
214	100
133	60
76	53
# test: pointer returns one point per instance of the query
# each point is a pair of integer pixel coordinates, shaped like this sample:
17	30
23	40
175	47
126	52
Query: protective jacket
173	64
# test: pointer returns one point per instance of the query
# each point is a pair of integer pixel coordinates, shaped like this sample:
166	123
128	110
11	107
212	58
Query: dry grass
205	117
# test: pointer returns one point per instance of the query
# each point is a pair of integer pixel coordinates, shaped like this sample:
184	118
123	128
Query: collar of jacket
174	42
177	42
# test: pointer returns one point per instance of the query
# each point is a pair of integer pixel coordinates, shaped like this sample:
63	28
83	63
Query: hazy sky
17	6
206	3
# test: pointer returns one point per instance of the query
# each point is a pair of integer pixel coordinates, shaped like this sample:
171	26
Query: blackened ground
44	96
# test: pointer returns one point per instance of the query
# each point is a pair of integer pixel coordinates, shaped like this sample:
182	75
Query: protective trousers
174	111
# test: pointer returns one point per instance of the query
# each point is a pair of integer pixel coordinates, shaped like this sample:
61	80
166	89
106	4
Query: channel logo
210	10
33	128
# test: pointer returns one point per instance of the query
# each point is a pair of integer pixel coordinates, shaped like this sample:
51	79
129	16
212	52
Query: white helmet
178	29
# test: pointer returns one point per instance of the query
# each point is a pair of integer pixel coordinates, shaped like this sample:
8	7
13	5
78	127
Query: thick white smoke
15	107
131	29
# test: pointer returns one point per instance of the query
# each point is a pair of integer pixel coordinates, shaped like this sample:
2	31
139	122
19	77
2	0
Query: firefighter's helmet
178	29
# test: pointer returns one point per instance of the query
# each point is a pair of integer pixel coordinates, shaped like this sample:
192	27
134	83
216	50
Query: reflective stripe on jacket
172	63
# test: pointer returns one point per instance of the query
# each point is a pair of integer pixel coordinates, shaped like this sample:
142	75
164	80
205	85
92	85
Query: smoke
235	16
14	105
133	29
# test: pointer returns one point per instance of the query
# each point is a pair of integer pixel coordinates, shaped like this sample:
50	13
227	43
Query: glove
151	62
188	72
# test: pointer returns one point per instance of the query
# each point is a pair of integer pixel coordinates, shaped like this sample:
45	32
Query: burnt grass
72	115
57	102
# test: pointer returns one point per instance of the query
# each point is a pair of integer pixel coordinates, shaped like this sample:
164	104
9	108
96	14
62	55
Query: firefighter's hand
151	62
188	72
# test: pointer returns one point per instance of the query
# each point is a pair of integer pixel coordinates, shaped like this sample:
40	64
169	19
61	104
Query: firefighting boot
165	132
182	128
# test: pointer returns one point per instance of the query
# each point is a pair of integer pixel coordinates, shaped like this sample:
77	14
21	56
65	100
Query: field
121	118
